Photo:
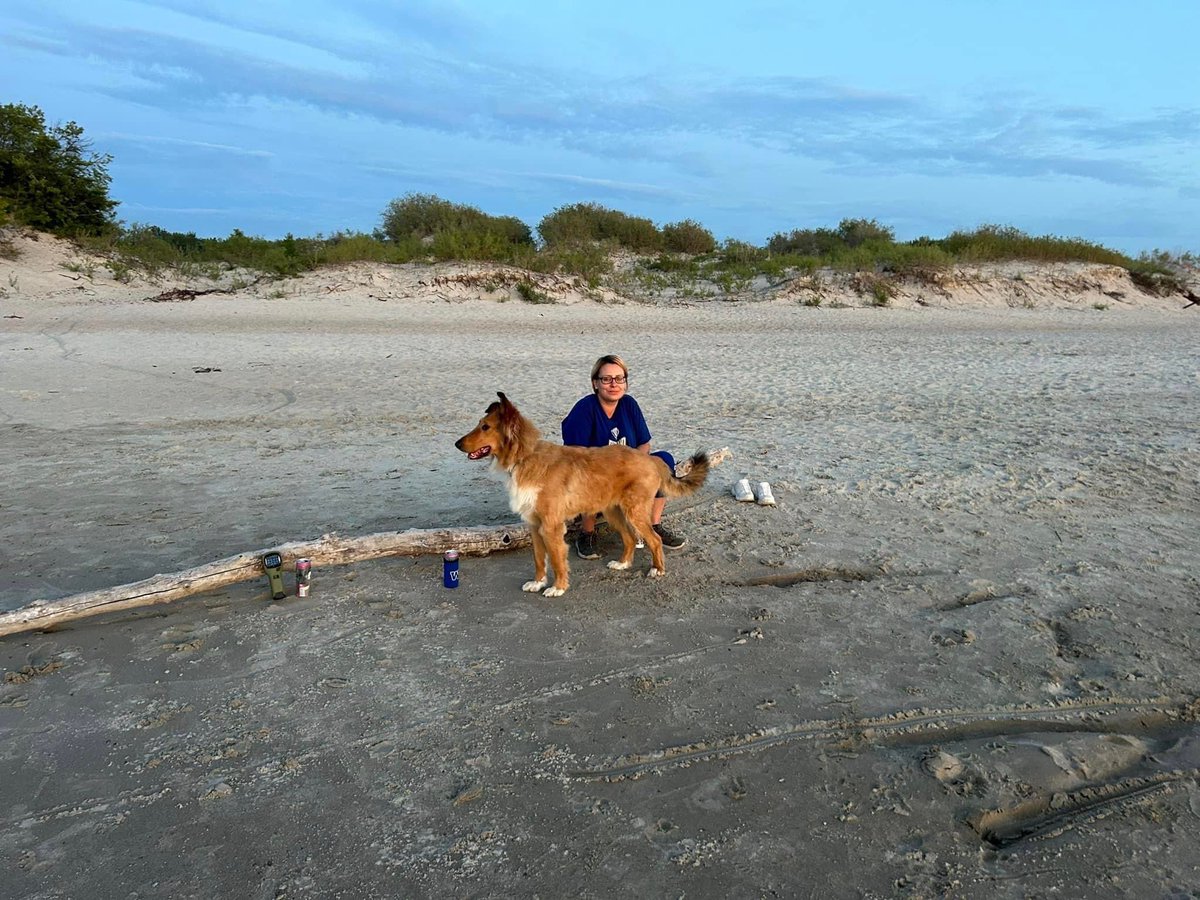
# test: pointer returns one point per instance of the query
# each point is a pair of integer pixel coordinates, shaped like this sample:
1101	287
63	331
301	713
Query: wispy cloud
154	141
607	186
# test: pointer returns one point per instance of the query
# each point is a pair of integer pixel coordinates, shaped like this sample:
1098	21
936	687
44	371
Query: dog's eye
485	427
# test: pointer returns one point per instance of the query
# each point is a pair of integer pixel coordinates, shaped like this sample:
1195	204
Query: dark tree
49	178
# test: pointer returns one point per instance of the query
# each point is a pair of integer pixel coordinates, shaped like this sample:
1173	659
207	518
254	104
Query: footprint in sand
945	767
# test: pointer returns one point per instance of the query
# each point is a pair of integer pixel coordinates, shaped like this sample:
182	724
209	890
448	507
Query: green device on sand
273	563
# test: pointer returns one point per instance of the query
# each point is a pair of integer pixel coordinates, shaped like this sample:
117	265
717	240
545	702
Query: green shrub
995	243
688	236
424	215
1155	278
530	294
914	259
151	248
470	243
585	223
856	232
428	217
739	252
350	246
590	261
830	242
682	265
880	288
806	242
1169	261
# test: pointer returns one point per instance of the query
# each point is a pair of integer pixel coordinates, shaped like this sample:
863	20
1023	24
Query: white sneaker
742	492
765	497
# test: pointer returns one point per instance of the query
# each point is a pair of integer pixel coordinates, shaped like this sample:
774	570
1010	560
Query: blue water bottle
450	569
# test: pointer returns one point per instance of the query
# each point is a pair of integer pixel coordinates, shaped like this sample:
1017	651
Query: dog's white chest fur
522	500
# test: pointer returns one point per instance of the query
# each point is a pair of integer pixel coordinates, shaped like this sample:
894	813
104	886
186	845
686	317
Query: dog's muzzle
473	454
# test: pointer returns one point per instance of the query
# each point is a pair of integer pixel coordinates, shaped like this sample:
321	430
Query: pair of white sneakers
761	492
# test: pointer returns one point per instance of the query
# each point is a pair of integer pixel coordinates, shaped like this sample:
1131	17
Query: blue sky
306	116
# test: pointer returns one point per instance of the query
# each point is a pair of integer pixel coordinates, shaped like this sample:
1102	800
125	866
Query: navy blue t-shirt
586	425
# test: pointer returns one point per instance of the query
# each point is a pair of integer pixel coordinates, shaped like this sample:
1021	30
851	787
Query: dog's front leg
539	560
556	544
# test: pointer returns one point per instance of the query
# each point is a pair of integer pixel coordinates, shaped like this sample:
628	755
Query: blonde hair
609	359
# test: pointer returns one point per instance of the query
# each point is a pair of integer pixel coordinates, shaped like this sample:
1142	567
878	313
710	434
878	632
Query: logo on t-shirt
616	433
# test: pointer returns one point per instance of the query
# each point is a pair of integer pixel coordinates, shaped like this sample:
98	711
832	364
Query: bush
740	253
49	179
527	292
590	261
423	216
917	259
352	246
856	232
471	243
881	289
257	253
994	243
585	223
150	247
430	218
1155	278
688	236
806	242
829	242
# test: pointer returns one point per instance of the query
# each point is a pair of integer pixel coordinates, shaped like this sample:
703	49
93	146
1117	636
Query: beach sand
971	670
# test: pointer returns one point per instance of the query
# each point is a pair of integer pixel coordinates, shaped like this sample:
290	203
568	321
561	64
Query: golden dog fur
549	484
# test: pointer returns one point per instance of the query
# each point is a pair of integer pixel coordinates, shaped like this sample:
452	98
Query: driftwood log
330	550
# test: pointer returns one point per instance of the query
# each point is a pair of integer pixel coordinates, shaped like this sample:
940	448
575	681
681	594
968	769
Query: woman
609	415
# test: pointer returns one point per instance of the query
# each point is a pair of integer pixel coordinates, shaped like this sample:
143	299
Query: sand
971	671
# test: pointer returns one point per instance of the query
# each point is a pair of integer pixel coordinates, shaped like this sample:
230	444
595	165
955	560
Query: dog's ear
510	419
503	404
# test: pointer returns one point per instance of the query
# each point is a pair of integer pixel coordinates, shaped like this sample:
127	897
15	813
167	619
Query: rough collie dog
549	484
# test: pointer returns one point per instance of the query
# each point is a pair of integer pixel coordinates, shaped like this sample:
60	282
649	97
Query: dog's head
498	433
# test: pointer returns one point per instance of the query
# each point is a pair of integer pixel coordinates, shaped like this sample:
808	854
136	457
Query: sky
1079	118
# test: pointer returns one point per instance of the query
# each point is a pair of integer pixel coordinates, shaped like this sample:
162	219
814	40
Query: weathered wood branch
330	550
176	294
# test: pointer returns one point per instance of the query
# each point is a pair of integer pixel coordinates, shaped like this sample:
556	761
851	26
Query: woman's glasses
606	380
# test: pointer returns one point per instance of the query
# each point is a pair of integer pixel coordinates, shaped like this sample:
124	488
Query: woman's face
614	390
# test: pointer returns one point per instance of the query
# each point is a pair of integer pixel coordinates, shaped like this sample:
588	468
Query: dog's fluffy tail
689	483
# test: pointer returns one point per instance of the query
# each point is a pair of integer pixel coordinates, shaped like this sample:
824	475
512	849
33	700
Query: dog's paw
553	592
617	564
655	573
533	586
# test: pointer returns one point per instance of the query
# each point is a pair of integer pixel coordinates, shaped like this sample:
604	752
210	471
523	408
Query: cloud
37	43
428	66
345	31
1166	125
606	186
155	142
